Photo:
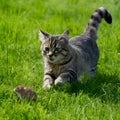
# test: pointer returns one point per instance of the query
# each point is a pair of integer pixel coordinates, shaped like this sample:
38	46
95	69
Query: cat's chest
55	70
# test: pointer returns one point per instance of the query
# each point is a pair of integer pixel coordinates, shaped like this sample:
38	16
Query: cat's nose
50	54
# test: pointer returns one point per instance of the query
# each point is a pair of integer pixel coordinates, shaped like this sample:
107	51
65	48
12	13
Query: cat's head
54	47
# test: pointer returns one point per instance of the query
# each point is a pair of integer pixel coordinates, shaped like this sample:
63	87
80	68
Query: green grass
21	61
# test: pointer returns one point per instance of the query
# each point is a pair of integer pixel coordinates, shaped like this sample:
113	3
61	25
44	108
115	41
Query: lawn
21	61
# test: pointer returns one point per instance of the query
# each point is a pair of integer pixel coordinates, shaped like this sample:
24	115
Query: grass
21	61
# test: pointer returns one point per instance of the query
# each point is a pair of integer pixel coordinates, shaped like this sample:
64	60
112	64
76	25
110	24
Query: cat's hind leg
93	71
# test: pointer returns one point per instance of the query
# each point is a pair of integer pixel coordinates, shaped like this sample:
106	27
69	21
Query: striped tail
92	27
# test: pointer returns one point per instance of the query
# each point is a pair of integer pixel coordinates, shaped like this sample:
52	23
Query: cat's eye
56	49
46	49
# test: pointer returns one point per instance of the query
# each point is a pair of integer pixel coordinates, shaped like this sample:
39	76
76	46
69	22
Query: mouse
25	93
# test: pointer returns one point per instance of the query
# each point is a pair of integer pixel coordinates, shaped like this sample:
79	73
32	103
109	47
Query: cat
66	59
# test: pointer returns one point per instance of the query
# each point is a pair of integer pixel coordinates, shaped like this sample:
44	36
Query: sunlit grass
21	61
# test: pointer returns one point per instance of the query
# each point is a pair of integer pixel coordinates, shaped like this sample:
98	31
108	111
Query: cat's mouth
54	59
51	59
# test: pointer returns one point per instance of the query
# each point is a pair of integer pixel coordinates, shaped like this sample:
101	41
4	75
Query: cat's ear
43	35
66	33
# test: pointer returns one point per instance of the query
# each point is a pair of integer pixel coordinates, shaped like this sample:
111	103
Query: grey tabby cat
66	59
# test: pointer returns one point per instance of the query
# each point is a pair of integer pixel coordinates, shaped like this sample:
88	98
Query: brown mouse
25	93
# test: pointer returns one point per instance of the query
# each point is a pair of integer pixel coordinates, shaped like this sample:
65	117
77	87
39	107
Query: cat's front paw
46	86
59	81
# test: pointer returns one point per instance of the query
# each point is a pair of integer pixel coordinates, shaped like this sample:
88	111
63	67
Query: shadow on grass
105	87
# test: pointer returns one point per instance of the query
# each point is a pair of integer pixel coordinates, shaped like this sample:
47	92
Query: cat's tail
92	27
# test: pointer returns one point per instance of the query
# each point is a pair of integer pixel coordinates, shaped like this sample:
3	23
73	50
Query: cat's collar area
67	61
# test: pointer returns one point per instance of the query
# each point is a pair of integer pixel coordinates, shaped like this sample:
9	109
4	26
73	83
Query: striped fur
97	16
66	59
